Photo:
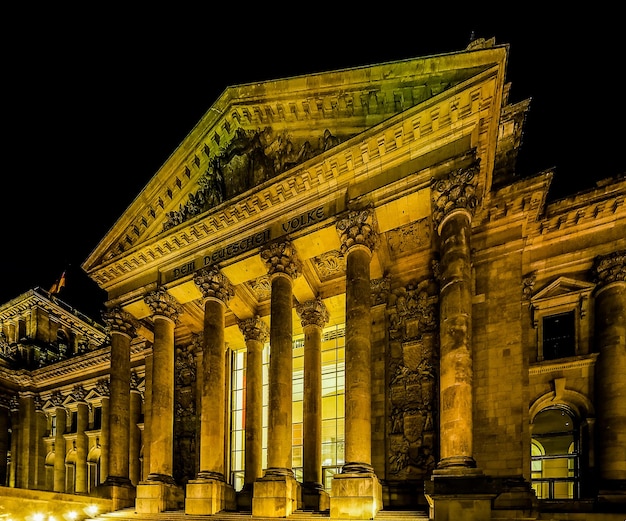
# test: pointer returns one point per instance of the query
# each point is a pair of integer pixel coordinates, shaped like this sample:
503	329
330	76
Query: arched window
555	454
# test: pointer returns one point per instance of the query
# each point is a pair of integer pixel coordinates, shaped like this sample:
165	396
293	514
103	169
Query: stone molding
610	268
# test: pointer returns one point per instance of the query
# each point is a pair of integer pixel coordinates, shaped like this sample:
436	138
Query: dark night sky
94	103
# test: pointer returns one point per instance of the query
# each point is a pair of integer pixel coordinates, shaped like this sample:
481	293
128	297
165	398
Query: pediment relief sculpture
249	159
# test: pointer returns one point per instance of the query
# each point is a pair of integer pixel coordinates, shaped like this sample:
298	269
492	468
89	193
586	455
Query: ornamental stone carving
185	365
357	229
102	387
254	329
528	283
161	303
57	399
610	268
78	393
213	284
456	191
380	289
119	321
312	313
281	258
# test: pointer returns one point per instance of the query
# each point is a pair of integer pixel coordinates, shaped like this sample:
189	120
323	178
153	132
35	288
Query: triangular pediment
563	286
264	153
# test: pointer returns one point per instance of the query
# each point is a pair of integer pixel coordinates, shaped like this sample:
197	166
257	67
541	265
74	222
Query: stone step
129	514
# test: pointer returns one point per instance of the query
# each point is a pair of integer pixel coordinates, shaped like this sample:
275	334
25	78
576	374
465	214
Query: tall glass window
333	372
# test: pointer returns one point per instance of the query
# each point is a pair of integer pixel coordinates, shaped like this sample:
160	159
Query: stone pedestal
467	496
209	496
121	494
156	496
276	496
355	496
315	498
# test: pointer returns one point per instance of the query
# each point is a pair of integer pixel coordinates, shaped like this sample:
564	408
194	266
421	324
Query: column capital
254	329
163	304
281	259
312	313
119	321
610	268
357	229
456	191
213	284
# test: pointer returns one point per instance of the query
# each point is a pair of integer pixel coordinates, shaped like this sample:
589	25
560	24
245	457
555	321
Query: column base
465	495
314	497
209	496
156	496
276	496
355	496
120	491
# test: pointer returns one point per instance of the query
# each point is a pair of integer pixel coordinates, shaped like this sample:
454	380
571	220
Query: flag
58	285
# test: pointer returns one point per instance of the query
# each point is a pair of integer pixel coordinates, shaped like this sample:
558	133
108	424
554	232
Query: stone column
103	390
456	481
610	378
4	438
277	493
255	333
159	491
210	493
356	491
313	316
134	468
14	407
82	424
59	443
117	486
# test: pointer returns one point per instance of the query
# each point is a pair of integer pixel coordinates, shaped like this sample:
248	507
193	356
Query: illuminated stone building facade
337	295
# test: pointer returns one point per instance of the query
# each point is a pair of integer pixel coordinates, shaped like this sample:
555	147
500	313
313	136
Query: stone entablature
414	133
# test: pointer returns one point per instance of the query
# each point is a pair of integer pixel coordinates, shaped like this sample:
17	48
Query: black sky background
95	102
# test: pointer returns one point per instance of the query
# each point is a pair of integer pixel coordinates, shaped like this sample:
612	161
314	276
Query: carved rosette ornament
213	284
312	313
357	229
610	268
161	303
281	258
454	192
254	329
119	321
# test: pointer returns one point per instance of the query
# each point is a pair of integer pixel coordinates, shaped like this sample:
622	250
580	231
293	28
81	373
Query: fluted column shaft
610	301
165	313
59	450
455	319
255	333
313	315
122	329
